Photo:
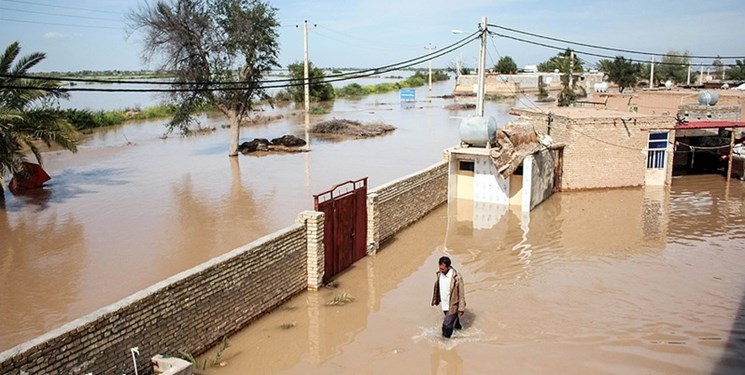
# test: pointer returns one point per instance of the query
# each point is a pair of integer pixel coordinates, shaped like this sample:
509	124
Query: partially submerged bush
351	128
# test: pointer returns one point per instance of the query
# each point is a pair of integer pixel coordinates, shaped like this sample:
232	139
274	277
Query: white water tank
708	98
477	131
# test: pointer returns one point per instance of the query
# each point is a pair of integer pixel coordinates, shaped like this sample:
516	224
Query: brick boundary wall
191	311
399	203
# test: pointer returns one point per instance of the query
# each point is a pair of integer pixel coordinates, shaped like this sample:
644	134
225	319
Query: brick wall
395	205
193	310
602	151
188	312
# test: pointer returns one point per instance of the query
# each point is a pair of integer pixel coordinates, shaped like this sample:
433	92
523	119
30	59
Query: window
656	150
465	165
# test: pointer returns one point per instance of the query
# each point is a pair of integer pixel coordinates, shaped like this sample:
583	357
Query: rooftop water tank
477	131
708	98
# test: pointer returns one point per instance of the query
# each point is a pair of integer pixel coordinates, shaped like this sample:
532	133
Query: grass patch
286	326
340	299
318	111
418	79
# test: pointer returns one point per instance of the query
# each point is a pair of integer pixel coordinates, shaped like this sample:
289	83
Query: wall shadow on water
67	184
733	357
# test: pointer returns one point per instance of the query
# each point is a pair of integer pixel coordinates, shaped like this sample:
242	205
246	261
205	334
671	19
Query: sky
81	35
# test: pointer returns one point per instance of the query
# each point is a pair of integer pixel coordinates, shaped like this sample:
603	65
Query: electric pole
571	71
429	48
482	71
688	80
651	74
702	74
305	67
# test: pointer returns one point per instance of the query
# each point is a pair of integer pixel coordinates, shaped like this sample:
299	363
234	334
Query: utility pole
430	47
651	74
688	80
305	67
482	71
702	74
571	71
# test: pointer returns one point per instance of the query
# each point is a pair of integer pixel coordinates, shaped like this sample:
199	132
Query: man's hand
460	313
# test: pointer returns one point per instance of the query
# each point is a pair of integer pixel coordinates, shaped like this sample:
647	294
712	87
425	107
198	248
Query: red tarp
35	177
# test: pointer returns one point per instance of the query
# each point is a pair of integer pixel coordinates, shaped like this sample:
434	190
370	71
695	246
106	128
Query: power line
612	48
61	24
62	6
330	78
59	15
599	55
237	86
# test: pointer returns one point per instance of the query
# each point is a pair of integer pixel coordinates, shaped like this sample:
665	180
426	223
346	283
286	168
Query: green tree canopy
673	66
26	115
737	72
319	90
505	65
622	72
218	50
562	61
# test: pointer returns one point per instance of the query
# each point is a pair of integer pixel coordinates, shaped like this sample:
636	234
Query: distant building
607	149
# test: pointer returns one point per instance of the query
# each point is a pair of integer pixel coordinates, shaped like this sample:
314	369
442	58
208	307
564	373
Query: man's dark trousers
451	322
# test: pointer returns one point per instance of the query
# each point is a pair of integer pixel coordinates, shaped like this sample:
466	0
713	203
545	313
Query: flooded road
623	281
131	209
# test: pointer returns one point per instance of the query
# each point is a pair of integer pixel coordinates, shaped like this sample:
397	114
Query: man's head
444	264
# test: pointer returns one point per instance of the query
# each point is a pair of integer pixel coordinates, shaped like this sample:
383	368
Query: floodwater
618	281
131	209
626	281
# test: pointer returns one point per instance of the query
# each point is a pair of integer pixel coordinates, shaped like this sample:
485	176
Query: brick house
607	148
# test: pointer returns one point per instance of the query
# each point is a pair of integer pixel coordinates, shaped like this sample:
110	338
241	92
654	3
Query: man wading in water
449	290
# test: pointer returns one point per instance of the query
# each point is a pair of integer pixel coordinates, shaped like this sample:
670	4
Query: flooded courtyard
623	281
616	281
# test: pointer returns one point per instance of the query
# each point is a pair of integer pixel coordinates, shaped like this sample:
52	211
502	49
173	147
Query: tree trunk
235	133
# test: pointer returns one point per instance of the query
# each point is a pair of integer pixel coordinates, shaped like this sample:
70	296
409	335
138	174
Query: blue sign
408	94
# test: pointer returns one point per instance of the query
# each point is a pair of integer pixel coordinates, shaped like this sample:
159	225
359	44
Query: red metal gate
345	224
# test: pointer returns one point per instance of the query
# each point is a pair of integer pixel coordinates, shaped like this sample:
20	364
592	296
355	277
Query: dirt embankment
351	128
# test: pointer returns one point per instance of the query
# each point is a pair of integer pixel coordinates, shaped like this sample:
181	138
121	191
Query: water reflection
600	281
445	361
59	254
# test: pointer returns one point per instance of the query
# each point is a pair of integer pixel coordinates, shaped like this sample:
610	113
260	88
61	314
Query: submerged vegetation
84	119
341	299
418	79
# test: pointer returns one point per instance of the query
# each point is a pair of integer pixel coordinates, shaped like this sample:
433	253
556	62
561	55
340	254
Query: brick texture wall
395	205
192	311
602	151
188	312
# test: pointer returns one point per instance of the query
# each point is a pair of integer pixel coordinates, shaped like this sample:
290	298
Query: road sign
408	95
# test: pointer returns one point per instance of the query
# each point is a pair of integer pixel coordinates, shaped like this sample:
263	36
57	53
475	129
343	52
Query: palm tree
26	117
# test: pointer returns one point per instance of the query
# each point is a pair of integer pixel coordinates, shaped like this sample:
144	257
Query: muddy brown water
623	281
131	209
618	281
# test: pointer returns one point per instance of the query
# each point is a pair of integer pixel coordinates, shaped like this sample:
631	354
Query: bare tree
218	50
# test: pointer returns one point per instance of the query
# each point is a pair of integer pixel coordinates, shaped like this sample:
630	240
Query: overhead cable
599	55
237	86
328	78
612	48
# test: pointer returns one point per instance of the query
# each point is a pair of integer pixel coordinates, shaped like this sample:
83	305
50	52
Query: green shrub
351	90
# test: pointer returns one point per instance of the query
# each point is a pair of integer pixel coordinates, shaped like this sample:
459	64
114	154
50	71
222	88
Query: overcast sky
91	34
